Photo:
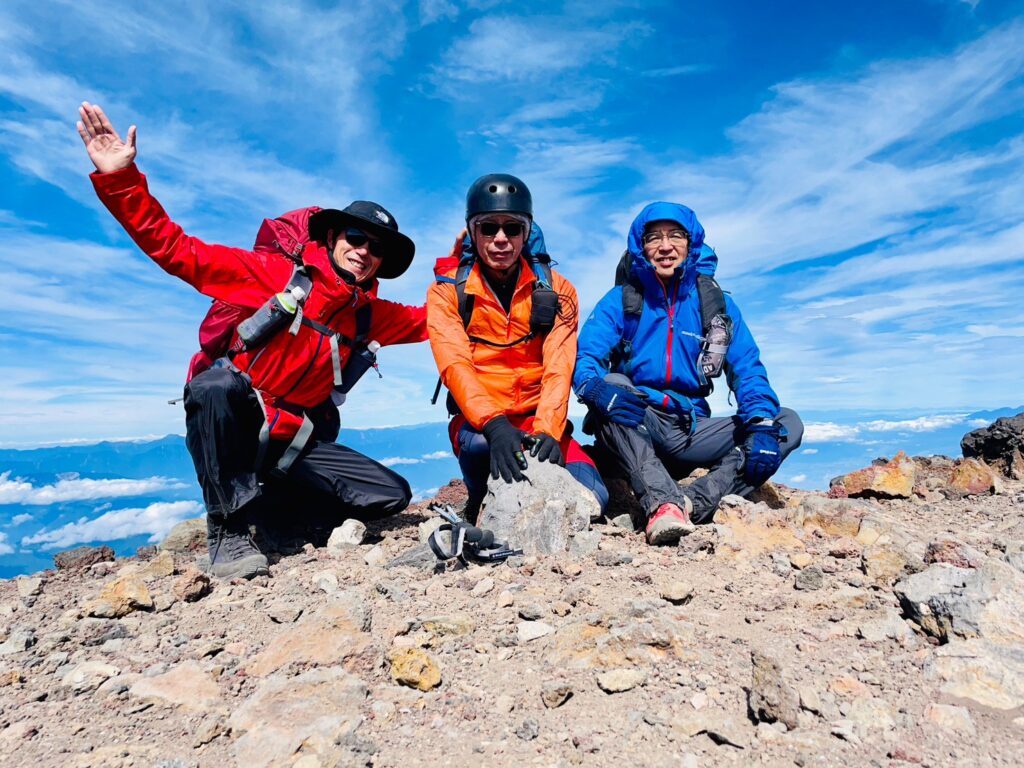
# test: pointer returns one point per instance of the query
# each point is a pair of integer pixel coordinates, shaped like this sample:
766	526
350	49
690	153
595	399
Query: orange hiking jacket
487	381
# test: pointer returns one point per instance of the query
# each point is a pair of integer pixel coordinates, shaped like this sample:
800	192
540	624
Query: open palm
107	150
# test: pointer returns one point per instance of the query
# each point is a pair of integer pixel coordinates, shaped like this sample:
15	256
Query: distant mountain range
127	494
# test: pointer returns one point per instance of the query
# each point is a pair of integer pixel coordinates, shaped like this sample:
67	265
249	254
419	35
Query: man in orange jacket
247	420
503	327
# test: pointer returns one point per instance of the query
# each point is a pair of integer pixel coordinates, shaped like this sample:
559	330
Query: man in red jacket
246	419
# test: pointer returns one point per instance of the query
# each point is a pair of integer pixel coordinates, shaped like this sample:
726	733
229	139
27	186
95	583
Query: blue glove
615	403
762	452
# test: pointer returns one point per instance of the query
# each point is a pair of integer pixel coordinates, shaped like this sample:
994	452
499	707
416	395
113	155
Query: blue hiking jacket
667	342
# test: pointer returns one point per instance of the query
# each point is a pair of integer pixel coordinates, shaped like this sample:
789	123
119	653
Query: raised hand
456	251
106	149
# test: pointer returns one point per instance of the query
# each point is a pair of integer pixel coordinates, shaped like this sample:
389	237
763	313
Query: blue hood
701	257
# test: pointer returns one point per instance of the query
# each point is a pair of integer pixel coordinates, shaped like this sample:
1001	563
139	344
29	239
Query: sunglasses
491	228
357	238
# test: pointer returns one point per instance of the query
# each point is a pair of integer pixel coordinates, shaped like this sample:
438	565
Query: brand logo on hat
382	216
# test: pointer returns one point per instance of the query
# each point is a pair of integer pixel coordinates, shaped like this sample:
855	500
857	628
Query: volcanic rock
887	480
771	698
82	557
540	514
186	537
1000	444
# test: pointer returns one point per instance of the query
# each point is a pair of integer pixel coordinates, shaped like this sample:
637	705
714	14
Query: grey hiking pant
222	426
651	458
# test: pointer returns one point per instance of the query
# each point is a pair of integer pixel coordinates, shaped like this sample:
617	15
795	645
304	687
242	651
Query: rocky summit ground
879	624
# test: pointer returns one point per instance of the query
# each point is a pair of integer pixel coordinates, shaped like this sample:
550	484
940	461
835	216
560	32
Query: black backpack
544	307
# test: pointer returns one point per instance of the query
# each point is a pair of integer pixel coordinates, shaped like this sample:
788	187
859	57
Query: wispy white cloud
156	520
989	331
524	49
436	455
922	424
809	451
683	69
74	488
420	495
829	432
5	548
394	461
798	478
22	518
832	432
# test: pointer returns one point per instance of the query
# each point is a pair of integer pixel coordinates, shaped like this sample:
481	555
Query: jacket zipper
670	303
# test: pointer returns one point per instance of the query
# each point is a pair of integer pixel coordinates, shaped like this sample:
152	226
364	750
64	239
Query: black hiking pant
652	458
223	419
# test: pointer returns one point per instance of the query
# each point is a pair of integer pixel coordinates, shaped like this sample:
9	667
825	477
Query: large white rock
541	514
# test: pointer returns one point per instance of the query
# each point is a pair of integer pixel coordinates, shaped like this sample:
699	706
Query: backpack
285	237
716	325
544	306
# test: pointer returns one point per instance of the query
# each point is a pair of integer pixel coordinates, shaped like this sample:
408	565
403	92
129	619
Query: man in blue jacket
647	357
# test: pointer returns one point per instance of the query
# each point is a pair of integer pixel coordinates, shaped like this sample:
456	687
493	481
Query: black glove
762	452
615	403
545	448
506	444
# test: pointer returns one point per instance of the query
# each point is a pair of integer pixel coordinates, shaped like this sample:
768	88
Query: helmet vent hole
512	189
493	188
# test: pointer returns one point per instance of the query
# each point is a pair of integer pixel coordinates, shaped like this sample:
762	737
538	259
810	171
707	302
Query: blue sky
857	169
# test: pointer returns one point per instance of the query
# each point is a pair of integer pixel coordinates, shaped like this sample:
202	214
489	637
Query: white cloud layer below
74	488
156	520
829	432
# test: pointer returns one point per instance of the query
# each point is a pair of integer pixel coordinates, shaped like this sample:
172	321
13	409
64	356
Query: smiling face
666	245
354	253
498	250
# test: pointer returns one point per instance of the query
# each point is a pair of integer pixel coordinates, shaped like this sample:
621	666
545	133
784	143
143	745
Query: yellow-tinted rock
892	480
744	535
974	477
836	517
121	597
452	625
800	559
415	668
884	563
159	567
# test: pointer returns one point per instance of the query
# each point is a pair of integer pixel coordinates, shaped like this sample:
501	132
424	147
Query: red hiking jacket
291	372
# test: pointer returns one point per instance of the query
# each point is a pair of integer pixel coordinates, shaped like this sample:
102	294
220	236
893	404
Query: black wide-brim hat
377	222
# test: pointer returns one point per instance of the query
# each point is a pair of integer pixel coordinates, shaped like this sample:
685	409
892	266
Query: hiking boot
669	523
233	554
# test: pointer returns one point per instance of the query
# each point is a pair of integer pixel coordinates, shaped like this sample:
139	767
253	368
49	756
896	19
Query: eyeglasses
510	228
675	237
357	238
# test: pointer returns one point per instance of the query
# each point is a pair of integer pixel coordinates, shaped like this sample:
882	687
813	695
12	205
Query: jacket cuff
116	181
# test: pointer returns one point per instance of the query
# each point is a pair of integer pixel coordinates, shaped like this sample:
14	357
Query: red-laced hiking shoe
669	524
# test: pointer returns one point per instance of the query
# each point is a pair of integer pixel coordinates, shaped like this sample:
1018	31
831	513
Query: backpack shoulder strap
632	306
363	317
300	279
465	300
712	301
716	328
